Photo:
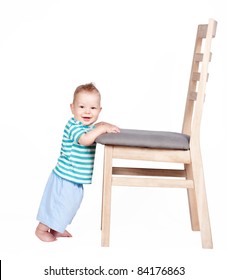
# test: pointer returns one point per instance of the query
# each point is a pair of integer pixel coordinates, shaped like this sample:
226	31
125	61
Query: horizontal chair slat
148	172
193	95
134	153
150	182
199	57
202	30
196	76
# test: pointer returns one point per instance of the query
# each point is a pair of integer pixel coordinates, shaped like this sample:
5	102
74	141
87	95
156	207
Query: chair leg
192	201
106	196
203	213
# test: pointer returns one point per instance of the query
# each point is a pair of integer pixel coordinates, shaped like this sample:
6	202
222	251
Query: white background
138	53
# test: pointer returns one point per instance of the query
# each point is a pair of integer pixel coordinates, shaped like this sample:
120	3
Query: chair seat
146	139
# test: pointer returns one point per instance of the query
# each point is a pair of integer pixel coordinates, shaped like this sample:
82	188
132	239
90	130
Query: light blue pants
60	201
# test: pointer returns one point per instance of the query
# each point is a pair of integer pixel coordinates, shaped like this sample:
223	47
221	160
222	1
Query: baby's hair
90	87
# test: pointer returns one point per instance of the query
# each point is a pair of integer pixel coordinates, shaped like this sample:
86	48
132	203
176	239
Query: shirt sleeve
75	132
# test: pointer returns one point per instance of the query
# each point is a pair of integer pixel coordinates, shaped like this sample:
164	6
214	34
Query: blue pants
60	201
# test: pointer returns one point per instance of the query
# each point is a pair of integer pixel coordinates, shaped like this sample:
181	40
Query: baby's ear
72	107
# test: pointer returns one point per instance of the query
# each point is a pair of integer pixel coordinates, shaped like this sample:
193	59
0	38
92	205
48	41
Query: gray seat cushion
147	139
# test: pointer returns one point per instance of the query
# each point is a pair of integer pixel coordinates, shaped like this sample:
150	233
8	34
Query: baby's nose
87	110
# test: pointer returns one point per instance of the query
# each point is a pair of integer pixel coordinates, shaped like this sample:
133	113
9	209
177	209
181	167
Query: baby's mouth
86	118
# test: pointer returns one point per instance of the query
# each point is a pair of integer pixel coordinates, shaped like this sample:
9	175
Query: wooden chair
170	147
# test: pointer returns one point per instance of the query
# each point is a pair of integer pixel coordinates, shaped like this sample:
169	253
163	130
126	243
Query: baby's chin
87	121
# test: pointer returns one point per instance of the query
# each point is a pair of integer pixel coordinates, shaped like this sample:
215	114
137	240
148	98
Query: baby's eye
93	108
81	107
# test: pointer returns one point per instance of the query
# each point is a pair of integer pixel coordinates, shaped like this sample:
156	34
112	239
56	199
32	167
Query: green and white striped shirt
75	162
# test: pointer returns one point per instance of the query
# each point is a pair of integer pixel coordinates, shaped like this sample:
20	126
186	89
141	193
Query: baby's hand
89	137
109	128
112	128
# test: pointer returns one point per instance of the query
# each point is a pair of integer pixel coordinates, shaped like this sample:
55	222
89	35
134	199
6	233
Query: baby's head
86	104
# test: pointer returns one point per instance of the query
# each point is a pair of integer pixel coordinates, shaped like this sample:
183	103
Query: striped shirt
75	162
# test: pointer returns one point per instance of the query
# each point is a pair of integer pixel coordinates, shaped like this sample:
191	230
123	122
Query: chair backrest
198	79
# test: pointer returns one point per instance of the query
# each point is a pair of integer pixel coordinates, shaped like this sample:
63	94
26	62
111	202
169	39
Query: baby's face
86	107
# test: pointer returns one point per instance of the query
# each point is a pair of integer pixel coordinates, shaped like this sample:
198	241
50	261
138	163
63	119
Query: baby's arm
88	138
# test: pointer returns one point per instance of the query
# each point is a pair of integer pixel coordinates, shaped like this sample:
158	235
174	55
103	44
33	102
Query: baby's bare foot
59	234
42	232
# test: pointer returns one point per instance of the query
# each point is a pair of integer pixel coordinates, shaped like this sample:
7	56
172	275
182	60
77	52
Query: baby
64	190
